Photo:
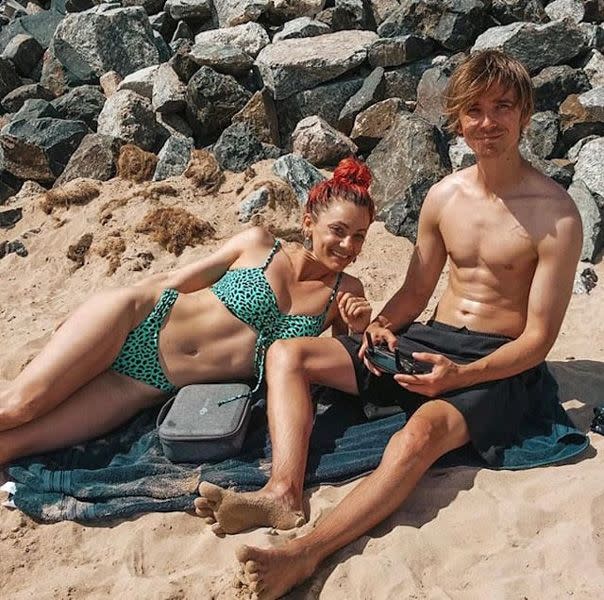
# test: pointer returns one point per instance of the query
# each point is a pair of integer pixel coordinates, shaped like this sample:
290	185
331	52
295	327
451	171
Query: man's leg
291	366
435	428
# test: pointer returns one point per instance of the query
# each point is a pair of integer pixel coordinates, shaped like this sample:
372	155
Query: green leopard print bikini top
247	294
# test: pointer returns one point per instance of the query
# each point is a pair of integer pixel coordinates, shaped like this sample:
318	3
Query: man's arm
550	292
427	262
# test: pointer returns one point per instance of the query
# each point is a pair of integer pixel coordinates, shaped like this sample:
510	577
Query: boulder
83	103
454	24
151	7
563	9
298	173
109	82
9	80
582	115
10	217
174	124
302	27
106	39
36	108
260	114
321	144
164	24
253	203
25	52
249	37
173	157
536	46
542	134
56	78
371	91
181	32
141	81
554	84
460	154
591	210
325	101
290	66
39	149
402	82
588	168
411	158
130	118
348	15
396	51
238	148
511	11
14	100
229	60
372	124
189	10
285	10
593	67
381	9
168	91
237	12
212	100
94	158
40	26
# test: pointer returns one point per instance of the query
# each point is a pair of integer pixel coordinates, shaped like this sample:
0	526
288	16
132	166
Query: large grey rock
325	101
461	155
593	67
582	115
542	134
39	149
9	80
212	100
371	91
511	11
130	117
163	23
321	144
24	51
40	26
36	108
238	148
411	158
588	168
174	124
151	7
402	82
168	91
298	173
237	12
290	66
592	215
95	158
562	9
574	151
554	84
83	103
229	60
537	46
260	114
453	23
106	39
199	10
372	124
253	203
302	27
173	157
141	81
396	51
14	100
285	10
349	14
249	37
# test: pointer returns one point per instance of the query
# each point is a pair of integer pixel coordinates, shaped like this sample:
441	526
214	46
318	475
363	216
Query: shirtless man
513	238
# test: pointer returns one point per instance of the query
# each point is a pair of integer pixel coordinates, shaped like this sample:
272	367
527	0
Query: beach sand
463	533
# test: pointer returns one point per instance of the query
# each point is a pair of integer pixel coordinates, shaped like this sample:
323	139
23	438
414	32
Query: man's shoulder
552	195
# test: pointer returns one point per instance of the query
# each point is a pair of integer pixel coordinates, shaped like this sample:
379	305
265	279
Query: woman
216	317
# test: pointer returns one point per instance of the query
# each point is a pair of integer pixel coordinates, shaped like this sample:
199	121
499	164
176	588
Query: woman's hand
355	311
380	335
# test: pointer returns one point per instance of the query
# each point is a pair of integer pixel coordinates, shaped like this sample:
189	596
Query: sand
463	533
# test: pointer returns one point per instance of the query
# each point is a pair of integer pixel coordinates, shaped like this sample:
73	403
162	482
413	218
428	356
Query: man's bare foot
270	573
232	512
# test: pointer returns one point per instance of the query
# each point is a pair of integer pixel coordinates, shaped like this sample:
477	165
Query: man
513	239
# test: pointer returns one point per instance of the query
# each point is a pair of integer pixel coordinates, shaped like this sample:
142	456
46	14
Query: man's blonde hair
479	72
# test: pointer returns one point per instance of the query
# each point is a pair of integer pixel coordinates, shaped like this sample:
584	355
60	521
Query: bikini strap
272	253
334	291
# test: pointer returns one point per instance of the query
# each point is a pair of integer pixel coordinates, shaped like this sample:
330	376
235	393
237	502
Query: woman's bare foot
270	573
232	512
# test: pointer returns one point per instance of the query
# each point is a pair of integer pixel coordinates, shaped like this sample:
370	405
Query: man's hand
445	376
355	311
379	335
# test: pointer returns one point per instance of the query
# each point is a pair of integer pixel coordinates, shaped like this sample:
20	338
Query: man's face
492	124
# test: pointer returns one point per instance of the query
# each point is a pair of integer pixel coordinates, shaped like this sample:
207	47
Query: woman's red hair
350	181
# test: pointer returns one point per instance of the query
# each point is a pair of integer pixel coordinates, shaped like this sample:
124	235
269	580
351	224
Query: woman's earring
307	243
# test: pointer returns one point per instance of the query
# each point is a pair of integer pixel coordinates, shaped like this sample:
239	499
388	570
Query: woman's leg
95	408
292	365
81	349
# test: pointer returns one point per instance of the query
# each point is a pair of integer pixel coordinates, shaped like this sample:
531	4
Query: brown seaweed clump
77	252
135	164
75	192
204	171
175	228
112	249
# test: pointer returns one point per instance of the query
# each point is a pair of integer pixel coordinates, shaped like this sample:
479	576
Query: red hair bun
351	171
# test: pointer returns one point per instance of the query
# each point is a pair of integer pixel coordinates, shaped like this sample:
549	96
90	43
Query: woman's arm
203	273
